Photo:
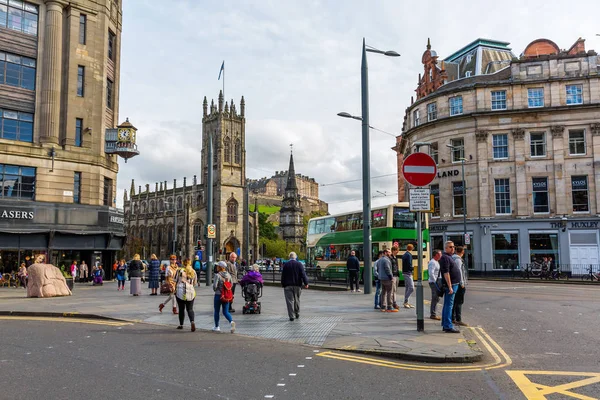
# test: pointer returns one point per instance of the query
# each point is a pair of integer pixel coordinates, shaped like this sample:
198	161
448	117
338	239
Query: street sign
467	238
419	169
420	199
211	231
432	200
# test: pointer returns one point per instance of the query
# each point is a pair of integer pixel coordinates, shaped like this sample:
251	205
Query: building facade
59	91
528	132
275	185
151	217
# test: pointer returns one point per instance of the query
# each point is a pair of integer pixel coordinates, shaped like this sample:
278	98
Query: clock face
123	134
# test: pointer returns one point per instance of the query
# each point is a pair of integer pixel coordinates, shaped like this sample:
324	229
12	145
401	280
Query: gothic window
180	203
227	150
232	207
151	206
199	200
238	151
197	231
160	205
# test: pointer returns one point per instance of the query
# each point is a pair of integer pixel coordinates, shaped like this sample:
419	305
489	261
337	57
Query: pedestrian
384	271
407	272
154	277
135	275
74	270
353	267
219	280
451	278
377	282
197	268
98	276
121	268
232	268
293	277
433	269
23	275
170	272
459	298
83	272
395	275
185	292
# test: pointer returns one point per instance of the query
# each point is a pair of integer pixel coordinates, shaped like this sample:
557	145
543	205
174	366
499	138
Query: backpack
226	292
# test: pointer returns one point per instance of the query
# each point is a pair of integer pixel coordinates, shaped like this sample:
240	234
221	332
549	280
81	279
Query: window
378	218
17	182
17	71
500	146
19	16
111	45
109	93
108	187
77	188
433	151
574	94
227	150
457	198
468	74
80	80
435	192
416	118
197	231
579	190
458	150
431	112
499	100
180	203
543	245
577	142
502	195
505	249
238	151
232	207
15	125
456	105
82	28
404	218
541	203
78	129
538	144
535	97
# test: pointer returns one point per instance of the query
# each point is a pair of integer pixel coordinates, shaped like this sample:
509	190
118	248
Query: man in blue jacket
353	267
451	278
293	277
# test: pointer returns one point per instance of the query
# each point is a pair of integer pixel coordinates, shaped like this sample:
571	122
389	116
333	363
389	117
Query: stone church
150	215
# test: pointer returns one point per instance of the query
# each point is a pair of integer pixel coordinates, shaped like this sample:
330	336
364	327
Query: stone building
290	215
59	91
528	131
150	216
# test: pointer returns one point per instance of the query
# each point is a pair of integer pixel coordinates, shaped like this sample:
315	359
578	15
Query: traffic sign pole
420	318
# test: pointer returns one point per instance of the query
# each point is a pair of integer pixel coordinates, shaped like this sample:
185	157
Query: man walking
434	272
384	271
232	269
407	272
459	299
293	277
353	267
451	275
395	275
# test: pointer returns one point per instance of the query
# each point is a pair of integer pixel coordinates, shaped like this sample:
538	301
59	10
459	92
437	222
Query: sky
297	64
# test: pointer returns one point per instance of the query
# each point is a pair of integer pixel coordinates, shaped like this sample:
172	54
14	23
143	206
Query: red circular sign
419	169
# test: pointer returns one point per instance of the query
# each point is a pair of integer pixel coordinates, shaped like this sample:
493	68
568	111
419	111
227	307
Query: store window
579	192
435	192
457	198
543	245
505	250
17	182
541	202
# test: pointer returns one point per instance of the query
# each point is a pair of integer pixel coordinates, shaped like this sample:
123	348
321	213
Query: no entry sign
419	169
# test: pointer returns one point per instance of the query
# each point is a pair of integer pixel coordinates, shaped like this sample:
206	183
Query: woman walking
170	278
121	267
23	275
185	292
220	278
135	273
154	268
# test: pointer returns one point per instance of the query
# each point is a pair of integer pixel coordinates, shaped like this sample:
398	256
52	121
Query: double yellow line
501	359
76	320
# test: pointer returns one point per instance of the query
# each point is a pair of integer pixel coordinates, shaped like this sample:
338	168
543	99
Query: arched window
144	208
199	200
232	207
197	231
151	207
238	151
226	150
180	203
160	205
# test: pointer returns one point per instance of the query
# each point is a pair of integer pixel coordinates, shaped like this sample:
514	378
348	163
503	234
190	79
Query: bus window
320	226
329	225
341	223
379	218
312	227
355	221
404	219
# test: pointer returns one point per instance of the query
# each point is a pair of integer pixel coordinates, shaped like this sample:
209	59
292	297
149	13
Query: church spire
291	180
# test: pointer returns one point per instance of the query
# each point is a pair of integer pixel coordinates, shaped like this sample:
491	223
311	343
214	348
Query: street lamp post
464	196
366	163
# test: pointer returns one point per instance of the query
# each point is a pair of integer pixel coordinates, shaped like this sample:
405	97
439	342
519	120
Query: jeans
459	299
353	279
218	305
447	309
377	293
435	299
233	286
183	306
409	286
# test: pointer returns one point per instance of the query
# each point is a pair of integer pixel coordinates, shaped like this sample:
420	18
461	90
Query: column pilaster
521	181
595	128
483	173
558	152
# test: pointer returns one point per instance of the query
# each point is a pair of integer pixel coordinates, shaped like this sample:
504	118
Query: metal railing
538	271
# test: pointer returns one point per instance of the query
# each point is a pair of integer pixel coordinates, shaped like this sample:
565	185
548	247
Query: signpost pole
420	321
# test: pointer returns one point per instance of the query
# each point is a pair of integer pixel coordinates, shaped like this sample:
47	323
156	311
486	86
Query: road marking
292	374
73	320
300	366
281	384
536	391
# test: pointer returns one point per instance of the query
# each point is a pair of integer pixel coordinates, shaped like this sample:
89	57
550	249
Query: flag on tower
221	70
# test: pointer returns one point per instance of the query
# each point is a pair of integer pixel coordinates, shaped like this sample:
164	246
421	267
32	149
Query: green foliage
266	229
265	209
66	274
279	248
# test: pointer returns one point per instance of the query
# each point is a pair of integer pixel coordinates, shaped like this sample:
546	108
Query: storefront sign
584	224
14	214
438	228
117	220
445	174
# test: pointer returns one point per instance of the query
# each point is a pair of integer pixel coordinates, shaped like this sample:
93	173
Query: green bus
330	239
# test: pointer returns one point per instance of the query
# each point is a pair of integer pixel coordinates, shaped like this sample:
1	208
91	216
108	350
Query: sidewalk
331	320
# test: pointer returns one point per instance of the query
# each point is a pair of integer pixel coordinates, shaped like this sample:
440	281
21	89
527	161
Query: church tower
228	128
290	214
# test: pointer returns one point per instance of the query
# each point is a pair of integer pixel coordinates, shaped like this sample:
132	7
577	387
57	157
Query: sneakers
216	329
180	327
160	307
352	291
193	327
396	306
357	290
383	309
377	308
391	309
435	317
232	326
406	305
453	330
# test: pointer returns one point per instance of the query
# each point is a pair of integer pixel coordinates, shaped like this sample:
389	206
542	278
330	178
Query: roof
496	44
502	75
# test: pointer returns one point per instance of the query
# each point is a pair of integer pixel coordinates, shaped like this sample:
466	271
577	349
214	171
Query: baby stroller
252	292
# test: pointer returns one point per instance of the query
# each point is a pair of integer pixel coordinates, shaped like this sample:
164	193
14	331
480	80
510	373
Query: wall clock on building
123	134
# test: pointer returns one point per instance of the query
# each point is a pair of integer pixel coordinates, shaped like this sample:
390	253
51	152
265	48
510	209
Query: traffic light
198	245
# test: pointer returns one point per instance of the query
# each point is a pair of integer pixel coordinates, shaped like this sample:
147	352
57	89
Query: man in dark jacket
407	272
353	267
396	274
293	277
451	275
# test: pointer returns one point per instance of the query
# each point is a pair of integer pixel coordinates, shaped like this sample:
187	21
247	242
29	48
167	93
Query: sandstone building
59	91
528	130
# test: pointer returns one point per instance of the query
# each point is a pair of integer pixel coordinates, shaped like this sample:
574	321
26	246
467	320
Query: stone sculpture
45	280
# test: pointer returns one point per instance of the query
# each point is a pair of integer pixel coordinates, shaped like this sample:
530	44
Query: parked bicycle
590	276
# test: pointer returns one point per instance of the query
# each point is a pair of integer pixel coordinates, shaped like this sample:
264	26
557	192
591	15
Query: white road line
500	327
269	396
309	358
292	374
524	329
300	366
281	384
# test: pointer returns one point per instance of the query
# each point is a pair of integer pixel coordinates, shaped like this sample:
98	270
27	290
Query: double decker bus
330	239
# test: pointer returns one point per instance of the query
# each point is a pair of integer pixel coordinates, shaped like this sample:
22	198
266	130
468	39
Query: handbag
439	285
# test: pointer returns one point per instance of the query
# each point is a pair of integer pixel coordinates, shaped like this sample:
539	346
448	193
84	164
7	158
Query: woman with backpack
223	295
185	292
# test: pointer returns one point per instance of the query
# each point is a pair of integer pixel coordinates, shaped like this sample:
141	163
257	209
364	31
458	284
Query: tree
266	228
279	248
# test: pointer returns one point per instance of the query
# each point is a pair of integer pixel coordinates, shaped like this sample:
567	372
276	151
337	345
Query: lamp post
173	206
366	163
464	196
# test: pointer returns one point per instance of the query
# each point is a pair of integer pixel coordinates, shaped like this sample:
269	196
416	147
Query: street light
172	204
366	163
464	196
